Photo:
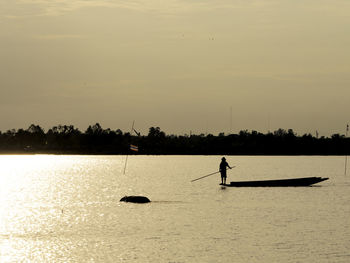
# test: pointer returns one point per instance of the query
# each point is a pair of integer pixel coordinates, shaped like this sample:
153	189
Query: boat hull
306	181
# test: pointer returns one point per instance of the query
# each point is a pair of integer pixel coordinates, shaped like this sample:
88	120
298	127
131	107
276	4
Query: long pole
127	155
231	120
208	175
346	155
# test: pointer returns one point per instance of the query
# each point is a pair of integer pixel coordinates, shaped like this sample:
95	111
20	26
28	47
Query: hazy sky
177	64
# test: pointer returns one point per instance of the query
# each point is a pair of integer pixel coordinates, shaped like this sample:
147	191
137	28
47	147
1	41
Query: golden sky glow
179	65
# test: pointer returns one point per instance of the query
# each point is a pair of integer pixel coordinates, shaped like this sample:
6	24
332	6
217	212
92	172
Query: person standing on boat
223	169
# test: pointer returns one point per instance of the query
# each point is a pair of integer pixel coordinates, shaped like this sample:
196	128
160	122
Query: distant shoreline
67	140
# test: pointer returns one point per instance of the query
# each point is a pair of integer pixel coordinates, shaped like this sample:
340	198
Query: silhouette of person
222	169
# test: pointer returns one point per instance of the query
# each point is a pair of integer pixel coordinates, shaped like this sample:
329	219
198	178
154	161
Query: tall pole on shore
231	120
346	153
127	155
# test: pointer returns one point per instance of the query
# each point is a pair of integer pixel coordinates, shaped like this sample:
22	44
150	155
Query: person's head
223	159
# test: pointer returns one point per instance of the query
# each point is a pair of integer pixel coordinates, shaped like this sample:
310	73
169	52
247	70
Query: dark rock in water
135	199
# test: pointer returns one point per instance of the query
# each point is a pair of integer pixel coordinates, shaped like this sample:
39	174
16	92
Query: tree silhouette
66	139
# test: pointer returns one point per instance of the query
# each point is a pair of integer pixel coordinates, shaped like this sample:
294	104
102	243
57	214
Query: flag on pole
134	148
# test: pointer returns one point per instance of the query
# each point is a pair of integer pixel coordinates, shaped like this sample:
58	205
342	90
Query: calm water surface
67	209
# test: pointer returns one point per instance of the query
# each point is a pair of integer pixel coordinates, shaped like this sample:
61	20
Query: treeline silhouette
66	139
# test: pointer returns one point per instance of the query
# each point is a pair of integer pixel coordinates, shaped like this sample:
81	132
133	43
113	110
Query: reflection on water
67	209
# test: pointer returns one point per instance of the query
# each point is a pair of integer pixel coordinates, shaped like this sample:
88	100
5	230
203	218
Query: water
67	209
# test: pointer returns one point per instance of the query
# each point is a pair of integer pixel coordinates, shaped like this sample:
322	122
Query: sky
186	66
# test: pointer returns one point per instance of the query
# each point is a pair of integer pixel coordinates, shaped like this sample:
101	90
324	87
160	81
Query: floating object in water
135	199
306	181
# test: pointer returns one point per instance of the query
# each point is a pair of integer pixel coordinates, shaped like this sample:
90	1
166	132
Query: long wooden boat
306	181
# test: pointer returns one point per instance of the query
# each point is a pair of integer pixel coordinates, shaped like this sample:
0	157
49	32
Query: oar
209	175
